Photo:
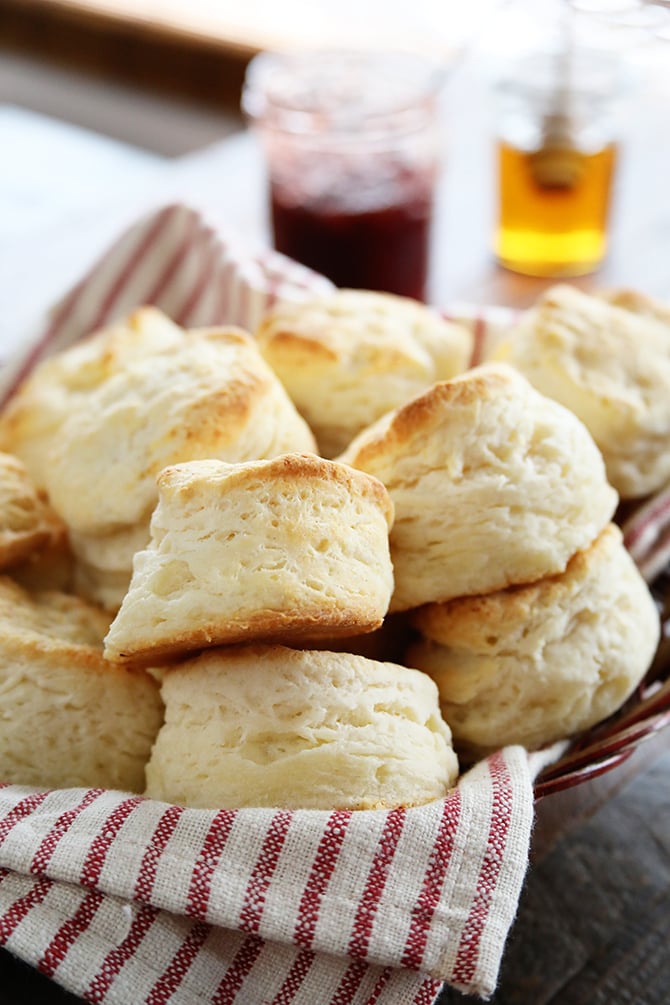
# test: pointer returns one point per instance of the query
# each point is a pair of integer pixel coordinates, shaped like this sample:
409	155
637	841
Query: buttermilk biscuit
67	716
27	522
348	357
291	548
492	484
608	361
270	726
31	423
536	663
212	396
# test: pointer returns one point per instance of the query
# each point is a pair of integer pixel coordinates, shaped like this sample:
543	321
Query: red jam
382	247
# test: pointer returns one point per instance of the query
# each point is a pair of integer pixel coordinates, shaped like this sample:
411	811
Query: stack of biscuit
531	617
227	590
244	558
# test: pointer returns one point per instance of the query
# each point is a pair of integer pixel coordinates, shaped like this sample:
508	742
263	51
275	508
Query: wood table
595	911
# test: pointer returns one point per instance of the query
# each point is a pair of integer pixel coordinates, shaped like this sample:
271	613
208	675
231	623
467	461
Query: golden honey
553	209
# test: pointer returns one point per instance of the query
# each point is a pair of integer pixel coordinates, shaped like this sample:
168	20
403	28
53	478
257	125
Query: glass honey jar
557	150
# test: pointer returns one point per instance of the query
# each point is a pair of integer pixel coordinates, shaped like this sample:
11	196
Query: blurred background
110	64
100	98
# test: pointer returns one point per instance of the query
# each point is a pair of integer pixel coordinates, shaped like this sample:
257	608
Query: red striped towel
125	900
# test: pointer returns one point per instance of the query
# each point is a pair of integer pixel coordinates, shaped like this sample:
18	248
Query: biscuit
607	358
30	424
27	522
213	396
349	357
533	664
293	548
68	717
270	726
492	483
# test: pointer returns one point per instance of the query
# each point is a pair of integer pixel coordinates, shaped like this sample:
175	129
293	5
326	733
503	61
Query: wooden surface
594	915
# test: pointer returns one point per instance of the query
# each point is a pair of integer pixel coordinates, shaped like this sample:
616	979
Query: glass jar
557	145
351	142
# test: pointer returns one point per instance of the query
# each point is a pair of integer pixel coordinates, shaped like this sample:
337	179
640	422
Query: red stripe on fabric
155	847
224	282
295	977
273	279
648	563
478	336
107	833
244	303
350	983
380	984
116	959
197	900
375	883
69	932
173	264
428	992
22	907
203	280
639	525
263	871
169	982
128	267
18	812
51	839
238	971
501	812
66	307
39	349
320	875
433	881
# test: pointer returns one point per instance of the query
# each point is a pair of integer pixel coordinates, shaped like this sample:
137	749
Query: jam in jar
351	142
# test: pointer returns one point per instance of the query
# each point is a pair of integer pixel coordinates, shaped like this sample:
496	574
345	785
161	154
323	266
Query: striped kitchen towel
126	900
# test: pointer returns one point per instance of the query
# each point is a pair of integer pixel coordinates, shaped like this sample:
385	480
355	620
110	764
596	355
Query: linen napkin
126	900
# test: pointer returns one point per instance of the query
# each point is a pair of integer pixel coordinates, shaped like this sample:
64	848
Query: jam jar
352	143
